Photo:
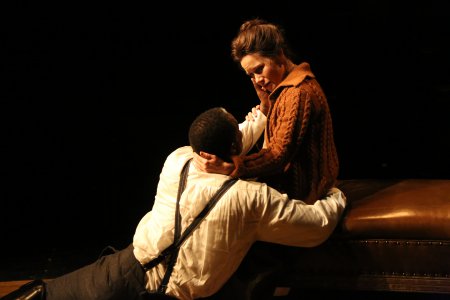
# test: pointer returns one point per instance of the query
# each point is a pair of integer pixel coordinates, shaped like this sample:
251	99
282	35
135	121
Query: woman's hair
259	36
214	131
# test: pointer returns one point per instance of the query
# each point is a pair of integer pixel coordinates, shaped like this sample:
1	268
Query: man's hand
253	114
210	163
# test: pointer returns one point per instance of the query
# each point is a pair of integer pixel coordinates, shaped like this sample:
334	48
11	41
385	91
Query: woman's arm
251	129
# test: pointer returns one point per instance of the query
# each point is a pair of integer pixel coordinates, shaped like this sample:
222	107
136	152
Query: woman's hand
210	163
263	96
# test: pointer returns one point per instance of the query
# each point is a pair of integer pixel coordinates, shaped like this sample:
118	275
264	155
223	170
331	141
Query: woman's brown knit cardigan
299	156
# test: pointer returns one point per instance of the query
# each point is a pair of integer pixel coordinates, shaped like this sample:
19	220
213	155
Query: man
247	212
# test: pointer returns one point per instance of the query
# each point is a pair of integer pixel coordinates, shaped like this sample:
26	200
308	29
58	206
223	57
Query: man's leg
115	276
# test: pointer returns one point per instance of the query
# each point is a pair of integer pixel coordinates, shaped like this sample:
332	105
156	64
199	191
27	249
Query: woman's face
264	71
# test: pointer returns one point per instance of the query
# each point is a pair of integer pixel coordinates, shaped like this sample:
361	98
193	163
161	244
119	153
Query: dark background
95	95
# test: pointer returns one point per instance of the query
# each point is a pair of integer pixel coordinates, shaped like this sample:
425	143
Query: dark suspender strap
173	249
225	186
168	250
181	187
176	236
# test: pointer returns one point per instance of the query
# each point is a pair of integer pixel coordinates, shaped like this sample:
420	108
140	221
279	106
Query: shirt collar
294	78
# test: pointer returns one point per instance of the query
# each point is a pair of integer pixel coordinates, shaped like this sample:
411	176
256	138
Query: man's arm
252	128
295	223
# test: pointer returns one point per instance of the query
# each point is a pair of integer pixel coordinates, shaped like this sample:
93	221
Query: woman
299	155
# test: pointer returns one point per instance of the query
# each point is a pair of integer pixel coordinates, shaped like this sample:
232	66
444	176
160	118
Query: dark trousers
116	276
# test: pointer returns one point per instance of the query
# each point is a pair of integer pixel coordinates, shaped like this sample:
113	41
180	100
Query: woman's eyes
257	71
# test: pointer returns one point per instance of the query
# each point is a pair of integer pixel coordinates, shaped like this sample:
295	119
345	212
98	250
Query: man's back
247	212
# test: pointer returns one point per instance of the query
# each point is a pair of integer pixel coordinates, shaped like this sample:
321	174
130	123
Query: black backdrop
95	95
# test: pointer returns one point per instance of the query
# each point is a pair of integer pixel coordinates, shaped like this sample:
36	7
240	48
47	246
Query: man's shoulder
177	158
183	153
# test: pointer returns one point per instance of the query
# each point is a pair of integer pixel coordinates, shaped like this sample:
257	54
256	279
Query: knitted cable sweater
299	155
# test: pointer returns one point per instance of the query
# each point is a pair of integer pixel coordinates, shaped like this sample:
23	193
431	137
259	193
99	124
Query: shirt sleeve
251	131
294	223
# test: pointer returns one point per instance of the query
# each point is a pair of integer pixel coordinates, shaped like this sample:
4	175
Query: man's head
216	131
